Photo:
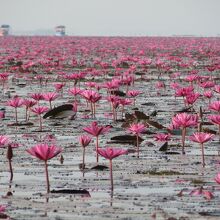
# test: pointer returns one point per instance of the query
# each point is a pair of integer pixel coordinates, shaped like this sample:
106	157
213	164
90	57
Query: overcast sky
114	17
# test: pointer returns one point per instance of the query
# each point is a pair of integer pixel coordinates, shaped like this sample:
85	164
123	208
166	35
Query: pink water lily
215	106
133	94
217	178
111	153
202	192
39	110
162	137
137	129
96	130
45	152
28	104
215	119
184	120
5	142
201	137
15	103
37	96
2	208
50	96
84	140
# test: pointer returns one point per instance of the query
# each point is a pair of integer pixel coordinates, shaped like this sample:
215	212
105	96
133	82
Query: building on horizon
60	30
5	30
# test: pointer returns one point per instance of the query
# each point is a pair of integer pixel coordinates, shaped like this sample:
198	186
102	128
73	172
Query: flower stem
11	170
203	155
26	114
183	140
9	157
83	162
219	132
111	176
137	146
40	120
97	146
47	177
16	115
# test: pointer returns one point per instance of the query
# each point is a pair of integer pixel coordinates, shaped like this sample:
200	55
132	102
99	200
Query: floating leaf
140	115
99	167
164	147
207	130
60	111
155	124
118	93
71	191
125	139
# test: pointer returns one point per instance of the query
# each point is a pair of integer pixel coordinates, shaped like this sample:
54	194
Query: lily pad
62	111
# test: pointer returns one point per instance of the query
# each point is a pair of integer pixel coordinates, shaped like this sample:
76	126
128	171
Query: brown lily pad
164	147
99	167
3	216
207	130
140	115
71	191
126	139
60	111
155	124
118	93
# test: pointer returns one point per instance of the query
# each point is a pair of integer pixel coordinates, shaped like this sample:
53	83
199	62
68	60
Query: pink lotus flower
133	94
59	86
2	114
115	101
162	137
191	78
208	94
184	91
190	99
215	119
28	104
207	84
124	102
75	91
84	140
50	96
5	142
160	85
201	192
95	130
183	120
111	153
92	97
217	88
15	103
37	96
174	85
215	106
137	129
201	137
2	208
45	152
39	110
217	178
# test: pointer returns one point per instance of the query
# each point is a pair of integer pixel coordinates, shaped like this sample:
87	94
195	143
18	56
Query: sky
114	17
